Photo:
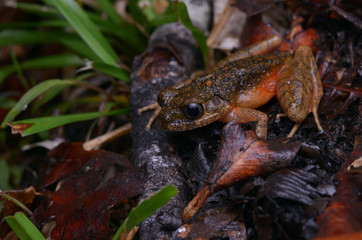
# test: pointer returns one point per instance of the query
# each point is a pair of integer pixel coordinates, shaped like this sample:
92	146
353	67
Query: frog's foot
245	115
280	115
294	129
157	109
297	124
316	119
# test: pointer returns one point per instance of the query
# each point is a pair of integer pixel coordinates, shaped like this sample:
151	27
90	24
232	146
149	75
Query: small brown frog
240	84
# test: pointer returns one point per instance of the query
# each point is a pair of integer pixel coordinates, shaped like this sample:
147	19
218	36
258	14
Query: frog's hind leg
259	48
299	88
245	115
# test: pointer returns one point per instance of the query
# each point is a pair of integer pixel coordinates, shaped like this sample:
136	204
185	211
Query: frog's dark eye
194	110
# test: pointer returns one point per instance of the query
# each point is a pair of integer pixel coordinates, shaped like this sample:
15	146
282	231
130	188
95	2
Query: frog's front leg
245	115
299	88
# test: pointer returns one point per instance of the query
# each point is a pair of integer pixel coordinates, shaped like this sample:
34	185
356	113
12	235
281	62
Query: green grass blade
76	44
7	103
37	125
47	96
5	175
16	36
196	33
33	93
112	71
137	14
38	9
23	227
55	61
16	202
19	71
164	18
146	208
5	72
128	33
168	16
111	12
48	23
87	30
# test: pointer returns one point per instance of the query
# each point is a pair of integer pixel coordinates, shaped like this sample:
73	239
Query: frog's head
188	107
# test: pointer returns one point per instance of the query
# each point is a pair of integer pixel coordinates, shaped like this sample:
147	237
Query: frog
239	85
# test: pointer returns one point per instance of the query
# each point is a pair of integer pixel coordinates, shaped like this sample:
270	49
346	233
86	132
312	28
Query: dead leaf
219	223
20	127
254	7
344	213
80	205
242	155
25	196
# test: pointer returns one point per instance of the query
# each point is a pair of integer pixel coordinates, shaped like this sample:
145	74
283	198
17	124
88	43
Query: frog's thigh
245	115
295	88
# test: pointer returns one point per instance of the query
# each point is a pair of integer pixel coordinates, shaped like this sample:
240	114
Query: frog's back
247	74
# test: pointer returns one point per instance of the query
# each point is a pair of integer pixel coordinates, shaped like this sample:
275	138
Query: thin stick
224	17
123	130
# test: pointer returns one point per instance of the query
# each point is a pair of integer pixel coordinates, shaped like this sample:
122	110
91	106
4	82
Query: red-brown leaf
344	213
25	196
81	204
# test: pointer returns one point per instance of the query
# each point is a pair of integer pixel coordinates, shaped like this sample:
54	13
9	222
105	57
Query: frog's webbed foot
157	109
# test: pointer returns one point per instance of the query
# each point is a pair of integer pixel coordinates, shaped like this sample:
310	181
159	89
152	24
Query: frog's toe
261	130
317	122
294	129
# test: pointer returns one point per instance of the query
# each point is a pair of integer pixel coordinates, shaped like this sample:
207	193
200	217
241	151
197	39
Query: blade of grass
48	23
106	5
136	13
23	227
5	174
127	32
112	71
38	9
87	30
47	96
196	33
167	17
18	69
33	93
12	36
16	202
146	208
76	44
55	61
36	125
7	103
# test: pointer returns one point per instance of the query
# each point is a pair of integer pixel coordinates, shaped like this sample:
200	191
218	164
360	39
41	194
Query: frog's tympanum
234	89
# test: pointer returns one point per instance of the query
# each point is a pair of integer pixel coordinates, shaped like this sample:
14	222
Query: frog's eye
194	110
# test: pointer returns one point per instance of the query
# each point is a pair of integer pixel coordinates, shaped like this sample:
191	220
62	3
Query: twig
91	144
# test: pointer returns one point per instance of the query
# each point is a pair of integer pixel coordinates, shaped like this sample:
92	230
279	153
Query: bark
170	58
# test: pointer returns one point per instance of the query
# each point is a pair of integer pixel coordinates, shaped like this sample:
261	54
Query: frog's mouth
184	124
174	119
